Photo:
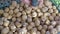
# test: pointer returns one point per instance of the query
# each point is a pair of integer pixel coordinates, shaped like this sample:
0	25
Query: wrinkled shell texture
24	19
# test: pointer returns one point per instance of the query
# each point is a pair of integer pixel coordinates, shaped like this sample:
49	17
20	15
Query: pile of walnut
24	19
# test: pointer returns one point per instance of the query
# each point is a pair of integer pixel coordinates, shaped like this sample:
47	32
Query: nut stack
24	19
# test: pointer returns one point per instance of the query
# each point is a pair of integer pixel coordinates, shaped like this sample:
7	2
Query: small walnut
11	12
12	27
43	31
9	17
1	21
53	23
6	9
18	24
5	14
53	31
39	27
38	32
5	30
6	23
34	14
13	19
18	14
50	11
24	17
39	14
45	9
1	11
23	31
16	10
47	22
54	7
58	28
11	7
14	3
